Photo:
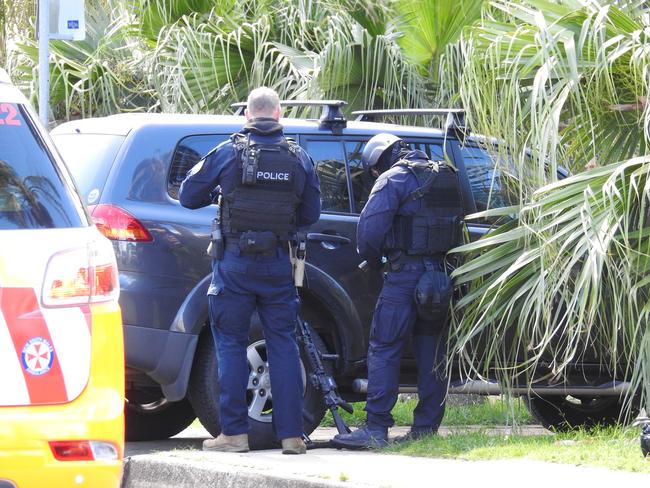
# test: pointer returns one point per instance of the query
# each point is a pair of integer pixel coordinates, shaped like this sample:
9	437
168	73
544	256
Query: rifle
323	381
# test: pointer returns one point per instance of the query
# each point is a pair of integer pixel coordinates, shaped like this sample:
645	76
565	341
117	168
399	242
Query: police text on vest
273	176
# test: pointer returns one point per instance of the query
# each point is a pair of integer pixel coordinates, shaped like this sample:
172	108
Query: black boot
366	437
645	440
415	434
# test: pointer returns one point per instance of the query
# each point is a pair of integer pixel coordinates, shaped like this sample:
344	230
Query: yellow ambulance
61	345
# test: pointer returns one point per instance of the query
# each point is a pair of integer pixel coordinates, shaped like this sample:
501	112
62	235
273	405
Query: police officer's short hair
263	101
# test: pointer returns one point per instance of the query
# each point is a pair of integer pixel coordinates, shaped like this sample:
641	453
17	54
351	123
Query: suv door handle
331	238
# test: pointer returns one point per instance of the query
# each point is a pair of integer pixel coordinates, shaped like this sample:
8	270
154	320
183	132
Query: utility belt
255	243
267	243
400	261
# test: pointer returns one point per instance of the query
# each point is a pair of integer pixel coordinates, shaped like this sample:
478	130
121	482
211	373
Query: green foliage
613	448
568	278
488	413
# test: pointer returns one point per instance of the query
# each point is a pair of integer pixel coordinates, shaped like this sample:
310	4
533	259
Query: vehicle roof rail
331	117
454	122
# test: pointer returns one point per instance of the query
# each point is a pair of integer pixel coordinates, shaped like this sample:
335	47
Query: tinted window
487	180
189	151
33	192
330	166
361	180
433	150
89	158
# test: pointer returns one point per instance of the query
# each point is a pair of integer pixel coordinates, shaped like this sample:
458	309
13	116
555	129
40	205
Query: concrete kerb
156	471
329	468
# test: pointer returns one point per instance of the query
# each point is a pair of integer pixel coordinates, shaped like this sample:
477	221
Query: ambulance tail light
81	276
117	224
84	451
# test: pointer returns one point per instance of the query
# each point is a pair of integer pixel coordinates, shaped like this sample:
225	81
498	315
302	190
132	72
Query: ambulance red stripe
25	322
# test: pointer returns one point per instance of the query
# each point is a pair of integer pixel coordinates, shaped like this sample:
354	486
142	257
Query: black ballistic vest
265	197
437	226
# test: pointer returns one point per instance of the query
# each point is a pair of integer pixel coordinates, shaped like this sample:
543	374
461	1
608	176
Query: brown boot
227	443
293	445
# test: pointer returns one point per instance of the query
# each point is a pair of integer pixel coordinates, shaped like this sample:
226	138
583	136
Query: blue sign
73	24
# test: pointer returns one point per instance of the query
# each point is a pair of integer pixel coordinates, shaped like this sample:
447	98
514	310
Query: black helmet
377	147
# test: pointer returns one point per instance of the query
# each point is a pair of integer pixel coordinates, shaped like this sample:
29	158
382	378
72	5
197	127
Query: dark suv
129	168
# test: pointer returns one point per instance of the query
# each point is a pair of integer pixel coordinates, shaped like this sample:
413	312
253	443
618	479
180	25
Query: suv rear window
189	151
33	192
89	158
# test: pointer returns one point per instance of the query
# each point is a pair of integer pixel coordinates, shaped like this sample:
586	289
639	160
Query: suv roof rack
455	116
331	118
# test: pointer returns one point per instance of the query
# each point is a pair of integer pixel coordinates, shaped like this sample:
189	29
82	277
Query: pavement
179	462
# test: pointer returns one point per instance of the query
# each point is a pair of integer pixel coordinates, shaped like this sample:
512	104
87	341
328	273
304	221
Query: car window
361	181
89	158
33	191
330	165
489	185
189	151
434	151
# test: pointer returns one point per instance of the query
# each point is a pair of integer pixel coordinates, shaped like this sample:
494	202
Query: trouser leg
230	319
391	325
429	353
278	310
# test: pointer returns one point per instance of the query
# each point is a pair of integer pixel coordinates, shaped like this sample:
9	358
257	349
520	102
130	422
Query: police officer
412	218
269	190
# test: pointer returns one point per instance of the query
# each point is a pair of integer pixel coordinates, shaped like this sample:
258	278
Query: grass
495	411
611	447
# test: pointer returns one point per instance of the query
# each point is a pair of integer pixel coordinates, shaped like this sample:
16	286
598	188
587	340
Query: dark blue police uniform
395	319
243	282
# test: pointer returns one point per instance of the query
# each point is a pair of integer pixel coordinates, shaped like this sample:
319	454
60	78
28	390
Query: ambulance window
330	165
34	193
189	151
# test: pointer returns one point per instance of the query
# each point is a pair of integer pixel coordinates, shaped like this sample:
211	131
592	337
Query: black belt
409	262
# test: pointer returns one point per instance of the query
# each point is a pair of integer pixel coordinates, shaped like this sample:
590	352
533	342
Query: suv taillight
81	276
118	224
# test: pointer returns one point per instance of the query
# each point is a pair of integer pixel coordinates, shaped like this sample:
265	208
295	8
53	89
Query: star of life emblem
37	356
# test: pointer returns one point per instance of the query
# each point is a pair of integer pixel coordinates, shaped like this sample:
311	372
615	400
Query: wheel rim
259	393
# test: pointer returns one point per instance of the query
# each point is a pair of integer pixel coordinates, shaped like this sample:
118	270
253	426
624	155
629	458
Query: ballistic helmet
379	148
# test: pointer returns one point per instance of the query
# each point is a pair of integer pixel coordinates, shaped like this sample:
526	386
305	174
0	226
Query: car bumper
96	415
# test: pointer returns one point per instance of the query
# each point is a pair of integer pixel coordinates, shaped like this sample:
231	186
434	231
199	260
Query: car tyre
567	413
204	394
156	420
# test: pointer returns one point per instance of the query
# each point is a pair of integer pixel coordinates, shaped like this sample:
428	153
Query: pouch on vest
257	242
433	297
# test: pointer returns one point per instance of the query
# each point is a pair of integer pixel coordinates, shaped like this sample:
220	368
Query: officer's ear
247	114
277	113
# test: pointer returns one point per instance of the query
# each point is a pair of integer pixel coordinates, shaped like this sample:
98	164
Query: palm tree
200	56
203	62
570	80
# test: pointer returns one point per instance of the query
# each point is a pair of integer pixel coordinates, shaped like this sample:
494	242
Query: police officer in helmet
269	190
412	218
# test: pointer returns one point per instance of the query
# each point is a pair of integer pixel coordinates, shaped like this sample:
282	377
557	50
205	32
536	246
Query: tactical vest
265	197
437	226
